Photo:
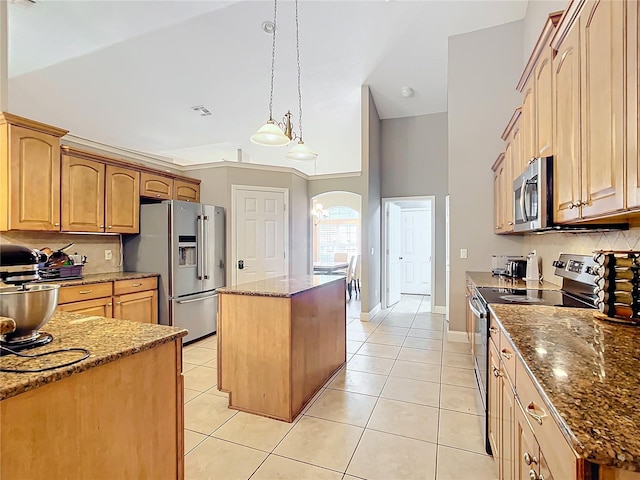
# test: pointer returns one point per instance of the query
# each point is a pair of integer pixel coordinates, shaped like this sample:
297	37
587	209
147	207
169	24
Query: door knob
240	264
399	258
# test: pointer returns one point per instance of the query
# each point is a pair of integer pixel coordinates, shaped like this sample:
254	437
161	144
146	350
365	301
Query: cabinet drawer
84	292
494	331
558	453
508	357
155	186
136	285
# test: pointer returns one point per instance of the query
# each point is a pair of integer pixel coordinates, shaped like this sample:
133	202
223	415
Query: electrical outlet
463	253
108	255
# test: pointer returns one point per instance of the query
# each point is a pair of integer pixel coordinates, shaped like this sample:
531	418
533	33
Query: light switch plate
463	253
108	255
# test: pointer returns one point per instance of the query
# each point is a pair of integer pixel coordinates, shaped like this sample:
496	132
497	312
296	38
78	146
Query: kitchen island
279	341
116	414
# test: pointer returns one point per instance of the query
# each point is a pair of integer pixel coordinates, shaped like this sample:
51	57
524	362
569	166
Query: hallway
404	407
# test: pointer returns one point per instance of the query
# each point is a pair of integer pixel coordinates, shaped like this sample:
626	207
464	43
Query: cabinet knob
157	194
496	372
57	224
101	226
493	330
510	223
506	354
571	205
497	226
528	459
109	305
110	226
118	303
136	285
533	475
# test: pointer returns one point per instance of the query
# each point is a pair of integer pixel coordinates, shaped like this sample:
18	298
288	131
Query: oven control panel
581	268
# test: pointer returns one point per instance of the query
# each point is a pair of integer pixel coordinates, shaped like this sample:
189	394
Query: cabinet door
516	155
82	195
544	105
186	191
633	104
602	41
526	451
138	307
495	397
507	190
101	307
528	125
34	180
507	432
566	109
122	200
155	186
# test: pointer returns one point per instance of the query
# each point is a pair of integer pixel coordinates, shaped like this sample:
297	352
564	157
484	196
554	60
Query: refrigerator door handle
205	246
181	302
199	241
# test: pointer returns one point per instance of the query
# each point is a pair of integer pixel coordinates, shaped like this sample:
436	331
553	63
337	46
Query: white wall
484	67
415	163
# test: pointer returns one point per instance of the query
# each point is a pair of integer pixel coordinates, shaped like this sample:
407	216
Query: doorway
259	233
408	266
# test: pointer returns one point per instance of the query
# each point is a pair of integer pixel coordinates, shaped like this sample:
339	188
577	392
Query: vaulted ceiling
126	73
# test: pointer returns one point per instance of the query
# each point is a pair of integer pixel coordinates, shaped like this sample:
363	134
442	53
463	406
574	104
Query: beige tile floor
405	406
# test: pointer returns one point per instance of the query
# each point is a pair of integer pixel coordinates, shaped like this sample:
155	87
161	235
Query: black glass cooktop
554	298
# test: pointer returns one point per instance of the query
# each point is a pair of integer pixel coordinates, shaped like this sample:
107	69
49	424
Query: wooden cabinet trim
543	42
123	287
9	118
569	18
506	134
99	157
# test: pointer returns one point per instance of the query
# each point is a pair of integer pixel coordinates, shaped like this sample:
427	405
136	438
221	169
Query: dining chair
357	270
340	257
350	273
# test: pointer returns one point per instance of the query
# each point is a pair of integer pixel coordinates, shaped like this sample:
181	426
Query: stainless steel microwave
533	202
532	196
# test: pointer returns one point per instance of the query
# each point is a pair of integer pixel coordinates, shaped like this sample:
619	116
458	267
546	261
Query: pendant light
270	133
275	133
300	151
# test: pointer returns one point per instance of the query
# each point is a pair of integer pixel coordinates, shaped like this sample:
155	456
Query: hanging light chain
273	56
298	60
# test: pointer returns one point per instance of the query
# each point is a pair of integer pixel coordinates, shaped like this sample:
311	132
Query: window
338	233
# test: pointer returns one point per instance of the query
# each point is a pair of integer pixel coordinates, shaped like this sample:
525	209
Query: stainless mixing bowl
31	308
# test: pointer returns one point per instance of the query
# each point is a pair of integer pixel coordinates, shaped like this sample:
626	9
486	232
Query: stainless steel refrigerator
184	242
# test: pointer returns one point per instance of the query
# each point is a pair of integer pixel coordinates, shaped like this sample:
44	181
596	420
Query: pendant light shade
270	134
301	152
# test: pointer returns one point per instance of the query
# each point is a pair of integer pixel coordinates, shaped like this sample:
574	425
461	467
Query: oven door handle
523	202
476	311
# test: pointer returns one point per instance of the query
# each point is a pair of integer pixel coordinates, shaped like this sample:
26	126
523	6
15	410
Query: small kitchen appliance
579	289
499	263
533	267
516	268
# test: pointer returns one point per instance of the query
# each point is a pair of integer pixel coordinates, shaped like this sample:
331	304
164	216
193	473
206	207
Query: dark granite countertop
285	286
487	279
102	277
106	339
588	372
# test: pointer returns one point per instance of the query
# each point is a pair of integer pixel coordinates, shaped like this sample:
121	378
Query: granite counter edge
64	372
264	293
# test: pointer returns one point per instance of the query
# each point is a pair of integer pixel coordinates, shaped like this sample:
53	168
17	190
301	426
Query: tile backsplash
549	246
93	246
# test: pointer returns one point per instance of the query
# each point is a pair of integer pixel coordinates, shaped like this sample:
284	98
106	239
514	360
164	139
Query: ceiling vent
204	111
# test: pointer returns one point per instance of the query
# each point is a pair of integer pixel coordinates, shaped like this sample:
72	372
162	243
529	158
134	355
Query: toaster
516	268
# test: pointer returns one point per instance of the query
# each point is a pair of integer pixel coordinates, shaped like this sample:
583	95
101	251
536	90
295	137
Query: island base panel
119	420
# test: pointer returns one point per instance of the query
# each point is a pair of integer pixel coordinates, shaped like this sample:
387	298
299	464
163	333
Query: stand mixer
30	306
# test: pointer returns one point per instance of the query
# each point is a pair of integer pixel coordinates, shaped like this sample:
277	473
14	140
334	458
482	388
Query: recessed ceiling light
406	92
204	111
269	27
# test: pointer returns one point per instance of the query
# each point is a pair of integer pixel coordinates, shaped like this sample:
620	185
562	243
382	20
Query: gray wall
216	189
484	67
415	163
537	13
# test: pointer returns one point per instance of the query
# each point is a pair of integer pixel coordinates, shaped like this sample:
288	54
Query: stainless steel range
578	290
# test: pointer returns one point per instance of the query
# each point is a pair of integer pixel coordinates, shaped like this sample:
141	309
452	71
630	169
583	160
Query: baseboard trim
439	309
365	317
456	336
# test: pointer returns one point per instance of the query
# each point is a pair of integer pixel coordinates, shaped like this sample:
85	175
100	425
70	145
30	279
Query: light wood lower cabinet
494	408
101	307
135	300
138	307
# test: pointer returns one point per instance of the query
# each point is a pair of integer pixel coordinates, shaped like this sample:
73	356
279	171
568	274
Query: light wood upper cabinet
499	201
122	200
527	126
566	110
603	35
184	190
633	103
155	186
544	104
82	195
29	174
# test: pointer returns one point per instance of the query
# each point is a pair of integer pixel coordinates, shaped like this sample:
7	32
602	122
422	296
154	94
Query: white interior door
416	251
260	240
394	247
